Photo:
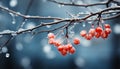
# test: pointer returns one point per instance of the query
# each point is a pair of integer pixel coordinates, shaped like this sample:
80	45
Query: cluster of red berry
63	49
97	32
68	48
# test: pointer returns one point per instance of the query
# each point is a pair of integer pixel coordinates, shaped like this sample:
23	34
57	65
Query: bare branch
27	16
62	20
80	5
31	29
112	17
67	22
51	30
51	18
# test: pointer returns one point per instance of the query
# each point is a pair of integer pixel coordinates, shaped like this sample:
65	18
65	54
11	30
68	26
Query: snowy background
28	51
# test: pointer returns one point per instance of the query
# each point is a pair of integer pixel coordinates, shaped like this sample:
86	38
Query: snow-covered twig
59	20
80	5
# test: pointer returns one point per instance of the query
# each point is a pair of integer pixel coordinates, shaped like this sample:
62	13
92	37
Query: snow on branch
67	22
59	20
81	5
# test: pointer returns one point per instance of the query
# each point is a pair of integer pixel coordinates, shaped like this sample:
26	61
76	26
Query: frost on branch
63	35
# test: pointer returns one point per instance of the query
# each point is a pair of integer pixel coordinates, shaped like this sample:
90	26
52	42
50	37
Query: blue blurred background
28	51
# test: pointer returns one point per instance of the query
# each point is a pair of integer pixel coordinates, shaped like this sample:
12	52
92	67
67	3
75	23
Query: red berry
104	35
76	41
72	50
69	46
57	43
63	52
60	48
107	25
97	35
92	32
83	33
88	36
108	30
98	29
51	41
51	35
65	47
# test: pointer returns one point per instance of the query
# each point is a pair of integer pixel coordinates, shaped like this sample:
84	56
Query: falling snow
13	3
117	29
19	46
25	62
80	62
47	49
4	49
7	55
83	25
51	55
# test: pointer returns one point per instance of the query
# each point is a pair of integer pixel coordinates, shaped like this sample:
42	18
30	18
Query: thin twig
80	5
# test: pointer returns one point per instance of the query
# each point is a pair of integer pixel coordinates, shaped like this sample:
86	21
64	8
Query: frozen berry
51	41
97	35
72	50
63	52
104	35
88	36
57	43
69	46
98	29
108	30
92	32
83	33
51	35
76	41
107	25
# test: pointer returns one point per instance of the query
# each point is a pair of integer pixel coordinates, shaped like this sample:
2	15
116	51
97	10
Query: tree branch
60	20
80	5
27	16
67	22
